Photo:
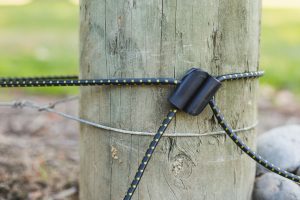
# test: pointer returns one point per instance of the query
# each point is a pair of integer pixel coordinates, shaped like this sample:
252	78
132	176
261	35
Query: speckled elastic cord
74	81
42	82
50	81
252	154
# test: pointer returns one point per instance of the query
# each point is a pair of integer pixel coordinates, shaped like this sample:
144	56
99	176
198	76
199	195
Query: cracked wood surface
164	38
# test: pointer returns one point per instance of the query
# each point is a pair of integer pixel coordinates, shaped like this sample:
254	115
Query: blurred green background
40	38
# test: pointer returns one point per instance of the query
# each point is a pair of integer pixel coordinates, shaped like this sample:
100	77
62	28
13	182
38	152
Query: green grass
280	48
42	39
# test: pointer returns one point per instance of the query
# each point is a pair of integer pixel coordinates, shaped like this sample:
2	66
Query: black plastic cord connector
195	91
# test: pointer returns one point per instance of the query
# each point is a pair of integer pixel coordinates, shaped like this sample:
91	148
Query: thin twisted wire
50	108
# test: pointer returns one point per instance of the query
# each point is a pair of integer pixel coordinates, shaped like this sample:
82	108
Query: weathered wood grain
164	38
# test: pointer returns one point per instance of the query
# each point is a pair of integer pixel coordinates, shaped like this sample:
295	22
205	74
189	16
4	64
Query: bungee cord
252	154
37	78
139	174
44	82
193	93
51	81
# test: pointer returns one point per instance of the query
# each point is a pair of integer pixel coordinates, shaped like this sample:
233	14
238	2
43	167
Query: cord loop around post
193	93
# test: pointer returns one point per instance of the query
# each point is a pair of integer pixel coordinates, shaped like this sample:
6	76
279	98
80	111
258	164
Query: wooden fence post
165	38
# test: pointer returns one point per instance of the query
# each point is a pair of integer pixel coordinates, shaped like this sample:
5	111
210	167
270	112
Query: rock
271	186
280	146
